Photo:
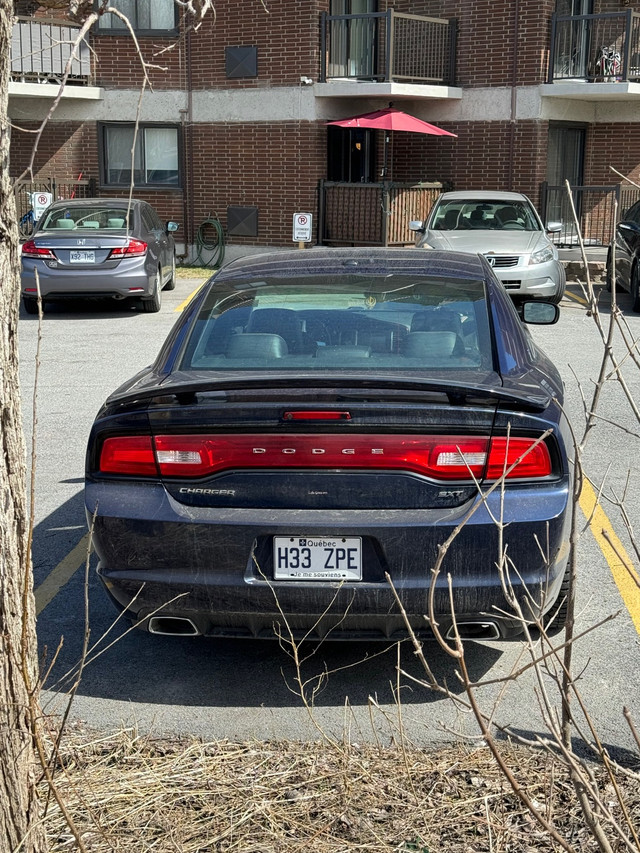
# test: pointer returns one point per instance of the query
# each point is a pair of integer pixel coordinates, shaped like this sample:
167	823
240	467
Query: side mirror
172	226
417	225
540	313
554	227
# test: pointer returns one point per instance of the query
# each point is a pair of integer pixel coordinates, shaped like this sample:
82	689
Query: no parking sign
302	227
40	202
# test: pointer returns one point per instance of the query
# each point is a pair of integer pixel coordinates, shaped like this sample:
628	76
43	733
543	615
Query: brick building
233	119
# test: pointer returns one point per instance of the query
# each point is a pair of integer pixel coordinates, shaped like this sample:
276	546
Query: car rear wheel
170	285
560	609
31	304
154	302
634	289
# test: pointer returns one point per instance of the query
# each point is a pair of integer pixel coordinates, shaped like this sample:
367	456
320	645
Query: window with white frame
150	16
156	155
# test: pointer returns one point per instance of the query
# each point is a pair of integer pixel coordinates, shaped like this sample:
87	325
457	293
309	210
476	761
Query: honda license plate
82	257
317	558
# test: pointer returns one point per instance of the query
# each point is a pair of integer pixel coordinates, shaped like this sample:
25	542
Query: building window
146	16
156	159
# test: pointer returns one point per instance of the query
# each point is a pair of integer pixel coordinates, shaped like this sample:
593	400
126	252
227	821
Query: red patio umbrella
391	119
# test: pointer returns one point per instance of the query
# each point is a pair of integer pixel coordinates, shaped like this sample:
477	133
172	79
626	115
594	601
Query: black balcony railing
40	51
595	48
388	46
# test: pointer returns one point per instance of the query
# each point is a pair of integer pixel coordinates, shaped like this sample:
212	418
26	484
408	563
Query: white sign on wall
302	227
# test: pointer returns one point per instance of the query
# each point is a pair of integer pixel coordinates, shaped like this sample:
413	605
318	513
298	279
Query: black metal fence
603	48
372	214
24	191
388	46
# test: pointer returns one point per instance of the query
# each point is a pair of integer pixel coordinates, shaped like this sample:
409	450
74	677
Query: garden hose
215	246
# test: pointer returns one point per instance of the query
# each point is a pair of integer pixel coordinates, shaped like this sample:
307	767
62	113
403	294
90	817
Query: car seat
476	219
279	321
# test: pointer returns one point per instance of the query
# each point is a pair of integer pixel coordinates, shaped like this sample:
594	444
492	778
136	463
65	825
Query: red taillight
133	249
129	454
535	461
459	458
30	250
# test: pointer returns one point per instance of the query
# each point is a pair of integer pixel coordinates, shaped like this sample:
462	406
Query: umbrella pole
384	155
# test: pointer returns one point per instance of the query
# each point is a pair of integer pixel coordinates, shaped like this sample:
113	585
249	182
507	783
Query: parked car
318	420
506	229
627	255
87	248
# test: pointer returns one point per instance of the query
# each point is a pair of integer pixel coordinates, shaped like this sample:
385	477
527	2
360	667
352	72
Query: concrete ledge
576	272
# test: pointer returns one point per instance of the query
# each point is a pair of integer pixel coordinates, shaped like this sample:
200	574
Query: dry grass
132	793
194	272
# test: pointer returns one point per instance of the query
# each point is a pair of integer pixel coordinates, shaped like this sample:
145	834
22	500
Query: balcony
40	52
595	57
387	54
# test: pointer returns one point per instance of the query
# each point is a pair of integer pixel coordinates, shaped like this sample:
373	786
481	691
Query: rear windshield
86	219
463	215
396	323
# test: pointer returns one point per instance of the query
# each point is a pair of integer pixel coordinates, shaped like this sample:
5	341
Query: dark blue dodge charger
315	426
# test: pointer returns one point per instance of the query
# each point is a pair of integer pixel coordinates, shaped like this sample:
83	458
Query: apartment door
565	162
353	41
573	38
349	155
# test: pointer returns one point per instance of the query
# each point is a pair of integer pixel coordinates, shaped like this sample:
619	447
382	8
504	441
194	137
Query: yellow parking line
191	296
575	297
614	552
61	575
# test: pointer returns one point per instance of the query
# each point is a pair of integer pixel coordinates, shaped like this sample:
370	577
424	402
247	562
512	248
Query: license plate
84	257
317	558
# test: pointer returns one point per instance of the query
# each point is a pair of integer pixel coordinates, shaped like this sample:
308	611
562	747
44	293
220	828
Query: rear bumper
128	278
214	566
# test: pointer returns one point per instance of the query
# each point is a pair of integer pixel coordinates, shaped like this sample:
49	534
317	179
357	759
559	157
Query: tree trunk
19	807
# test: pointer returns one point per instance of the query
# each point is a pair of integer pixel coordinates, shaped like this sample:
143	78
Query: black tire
608	279
634	289
560	609
153	303
171	284
557	297
30	304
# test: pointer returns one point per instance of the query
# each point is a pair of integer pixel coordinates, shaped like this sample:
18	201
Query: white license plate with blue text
317	558
82	257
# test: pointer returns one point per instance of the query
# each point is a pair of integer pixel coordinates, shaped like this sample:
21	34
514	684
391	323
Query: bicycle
27	223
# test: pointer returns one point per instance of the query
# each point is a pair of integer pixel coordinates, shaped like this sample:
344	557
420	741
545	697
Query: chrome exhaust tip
172	626
475	631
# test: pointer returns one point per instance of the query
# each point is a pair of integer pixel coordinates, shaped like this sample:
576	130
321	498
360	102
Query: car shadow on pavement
85	308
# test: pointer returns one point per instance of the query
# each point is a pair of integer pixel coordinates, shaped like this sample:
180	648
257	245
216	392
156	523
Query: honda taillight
132	249
449	458
30	250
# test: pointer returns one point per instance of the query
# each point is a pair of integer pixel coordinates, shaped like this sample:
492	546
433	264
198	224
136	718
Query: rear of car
506	229
87	249
312	432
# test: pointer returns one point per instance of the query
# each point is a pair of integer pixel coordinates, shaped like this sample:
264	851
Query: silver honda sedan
88	248
506	229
